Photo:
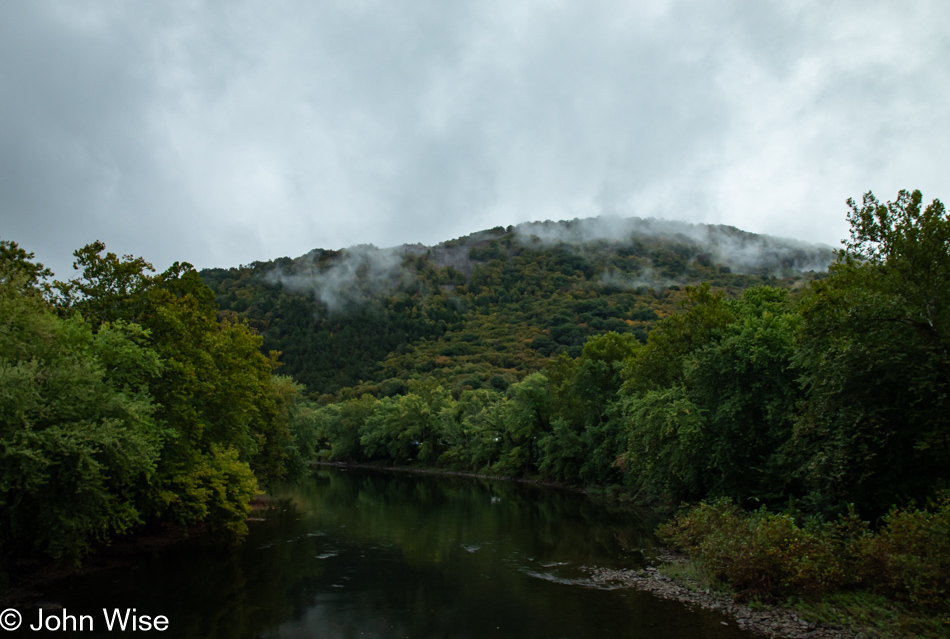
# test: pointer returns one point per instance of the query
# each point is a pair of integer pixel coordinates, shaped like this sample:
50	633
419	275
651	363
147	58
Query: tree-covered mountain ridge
485	309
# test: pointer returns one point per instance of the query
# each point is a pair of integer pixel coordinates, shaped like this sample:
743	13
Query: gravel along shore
774	622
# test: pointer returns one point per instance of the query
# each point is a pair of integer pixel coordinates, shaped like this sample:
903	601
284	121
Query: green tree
583	443
665	455
340	426
110	288
875	361
526	417
721	424
747	390
473	430
18	271
660	363
214	394
408	427
78	438
299	417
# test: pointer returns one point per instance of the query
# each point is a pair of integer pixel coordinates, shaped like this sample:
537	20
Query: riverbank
669	580
422	470
854	616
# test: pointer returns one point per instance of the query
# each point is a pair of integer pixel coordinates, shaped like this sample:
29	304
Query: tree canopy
126	402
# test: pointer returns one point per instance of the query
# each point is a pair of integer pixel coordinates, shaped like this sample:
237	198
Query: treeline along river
361	553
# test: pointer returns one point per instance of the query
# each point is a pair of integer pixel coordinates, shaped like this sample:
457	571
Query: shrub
760	554
771	556
910	558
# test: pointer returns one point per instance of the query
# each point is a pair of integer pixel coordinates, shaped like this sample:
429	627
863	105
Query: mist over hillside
337	278
489	307
742	251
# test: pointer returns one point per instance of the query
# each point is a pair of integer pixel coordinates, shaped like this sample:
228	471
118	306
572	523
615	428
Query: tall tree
214	393
875	357
710	400
78	438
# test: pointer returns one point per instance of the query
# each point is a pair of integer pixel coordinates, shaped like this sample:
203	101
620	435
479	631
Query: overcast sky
225	132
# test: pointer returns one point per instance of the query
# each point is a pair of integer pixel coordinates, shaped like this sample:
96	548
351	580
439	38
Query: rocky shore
778	622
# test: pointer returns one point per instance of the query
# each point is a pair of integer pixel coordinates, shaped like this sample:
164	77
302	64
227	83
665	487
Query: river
374	554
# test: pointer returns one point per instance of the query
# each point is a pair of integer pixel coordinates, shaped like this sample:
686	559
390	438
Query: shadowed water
375	554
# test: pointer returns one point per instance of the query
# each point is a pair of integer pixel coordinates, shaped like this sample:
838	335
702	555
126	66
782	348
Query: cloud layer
343	280
221	133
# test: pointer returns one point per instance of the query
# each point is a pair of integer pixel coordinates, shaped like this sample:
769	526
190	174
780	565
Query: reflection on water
374	554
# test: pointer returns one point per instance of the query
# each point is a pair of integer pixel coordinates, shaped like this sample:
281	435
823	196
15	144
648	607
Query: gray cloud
341	280
741	251
221	133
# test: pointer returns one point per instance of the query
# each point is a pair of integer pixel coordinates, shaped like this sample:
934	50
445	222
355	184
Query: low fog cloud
344	279
743	252
351	277
647	278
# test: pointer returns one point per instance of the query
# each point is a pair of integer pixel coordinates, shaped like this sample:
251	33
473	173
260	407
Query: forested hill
484	310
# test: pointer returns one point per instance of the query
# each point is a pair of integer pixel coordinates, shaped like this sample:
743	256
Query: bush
760	554
909	559
771	556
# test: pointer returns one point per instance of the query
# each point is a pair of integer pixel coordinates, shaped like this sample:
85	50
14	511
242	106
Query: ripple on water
584	582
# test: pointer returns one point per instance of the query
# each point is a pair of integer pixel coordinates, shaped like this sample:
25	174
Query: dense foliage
772	556
78	430
875	359
124	401
706	407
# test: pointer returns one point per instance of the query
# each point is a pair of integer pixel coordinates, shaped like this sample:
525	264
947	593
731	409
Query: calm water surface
375	554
